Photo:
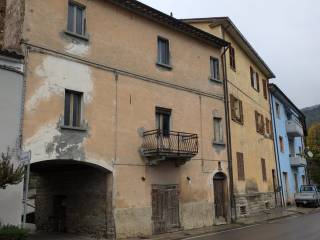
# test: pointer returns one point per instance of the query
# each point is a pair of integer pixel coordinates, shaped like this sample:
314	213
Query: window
265	88
232	58
236	110
163	51
264	169
76	18
240	165
214	65
267	126
163	118
278	112
259	123
281	143
218	130
254	79
72	108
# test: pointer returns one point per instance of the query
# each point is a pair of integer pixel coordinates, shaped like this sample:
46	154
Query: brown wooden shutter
241	112
271	130
264	169
265	88
262	125
258	81
251	77
240	165
233	112
267	126
257	120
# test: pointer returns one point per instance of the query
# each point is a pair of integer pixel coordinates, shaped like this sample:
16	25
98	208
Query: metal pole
25	197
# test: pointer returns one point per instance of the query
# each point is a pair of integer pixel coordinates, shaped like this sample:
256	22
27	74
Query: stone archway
72	197
220	196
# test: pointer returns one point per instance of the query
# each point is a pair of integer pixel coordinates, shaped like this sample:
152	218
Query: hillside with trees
312	115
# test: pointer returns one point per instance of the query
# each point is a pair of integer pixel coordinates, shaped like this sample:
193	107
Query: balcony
297	160
294	129
174	146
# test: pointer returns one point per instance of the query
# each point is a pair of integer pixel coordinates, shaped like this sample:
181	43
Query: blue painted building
289	131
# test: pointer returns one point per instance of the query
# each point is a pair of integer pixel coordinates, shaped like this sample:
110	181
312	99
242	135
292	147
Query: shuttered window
76	18
265	88
214	66
72	108
240	166
259	123
255	82
281	144
236	109
267	126
218	130
264	169
232	58
163	51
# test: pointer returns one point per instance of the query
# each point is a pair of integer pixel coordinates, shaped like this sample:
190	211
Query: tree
9	175
313	143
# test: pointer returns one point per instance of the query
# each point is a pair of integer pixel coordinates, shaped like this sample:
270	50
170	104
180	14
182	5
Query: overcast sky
285	33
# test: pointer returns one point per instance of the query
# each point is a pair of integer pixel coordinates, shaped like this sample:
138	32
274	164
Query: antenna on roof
171	14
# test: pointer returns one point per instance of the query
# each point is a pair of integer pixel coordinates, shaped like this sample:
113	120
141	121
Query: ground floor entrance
71	198
165	208
220	196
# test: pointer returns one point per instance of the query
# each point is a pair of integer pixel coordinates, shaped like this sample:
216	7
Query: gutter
228	129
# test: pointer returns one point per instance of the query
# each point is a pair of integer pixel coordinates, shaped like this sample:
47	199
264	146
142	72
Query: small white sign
25	157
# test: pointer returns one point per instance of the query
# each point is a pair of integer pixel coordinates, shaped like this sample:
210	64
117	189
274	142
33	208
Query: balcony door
163	125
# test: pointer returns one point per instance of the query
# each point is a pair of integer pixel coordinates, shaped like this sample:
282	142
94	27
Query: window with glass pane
163	51
76	18
72	108
214	64
163	118
218	130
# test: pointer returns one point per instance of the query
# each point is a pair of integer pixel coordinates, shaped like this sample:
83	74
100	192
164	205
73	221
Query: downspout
228	129
276	151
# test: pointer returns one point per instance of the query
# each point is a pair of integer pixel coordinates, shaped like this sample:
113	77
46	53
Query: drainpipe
228	129
276	151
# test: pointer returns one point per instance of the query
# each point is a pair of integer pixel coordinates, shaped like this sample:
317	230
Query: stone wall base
254	203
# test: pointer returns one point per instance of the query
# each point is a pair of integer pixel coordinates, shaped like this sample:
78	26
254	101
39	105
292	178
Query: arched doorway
220	196
71	197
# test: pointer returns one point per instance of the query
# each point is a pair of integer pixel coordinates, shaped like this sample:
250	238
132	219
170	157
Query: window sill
169	67
80	129
72	34
239	122
215	80
215	143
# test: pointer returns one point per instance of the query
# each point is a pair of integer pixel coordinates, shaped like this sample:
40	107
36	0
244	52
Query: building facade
289	132
127	128
11	98
251	141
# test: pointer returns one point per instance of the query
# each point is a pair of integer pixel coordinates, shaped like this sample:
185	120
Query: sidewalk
268	215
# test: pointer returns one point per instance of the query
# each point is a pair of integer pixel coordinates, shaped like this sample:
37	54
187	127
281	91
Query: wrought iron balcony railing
162	145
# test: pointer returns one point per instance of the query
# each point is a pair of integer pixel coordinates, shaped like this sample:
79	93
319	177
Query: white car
308	195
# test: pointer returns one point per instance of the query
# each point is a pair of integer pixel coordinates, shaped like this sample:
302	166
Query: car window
307	189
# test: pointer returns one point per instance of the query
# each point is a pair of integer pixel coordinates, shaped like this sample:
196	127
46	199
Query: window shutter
233	111
264	170
262	125
241	112
251	76
240	165
258	81
257	120
265	88
267	126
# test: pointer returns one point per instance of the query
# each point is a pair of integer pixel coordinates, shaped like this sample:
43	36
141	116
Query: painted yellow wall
245	138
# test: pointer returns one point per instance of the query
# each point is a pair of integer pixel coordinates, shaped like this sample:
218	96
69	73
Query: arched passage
220	196
72	196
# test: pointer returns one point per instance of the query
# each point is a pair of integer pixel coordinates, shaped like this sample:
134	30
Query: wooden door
219	195
165	208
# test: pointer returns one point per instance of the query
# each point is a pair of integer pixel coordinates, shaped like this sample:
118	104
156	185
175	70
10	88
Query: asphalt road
306	227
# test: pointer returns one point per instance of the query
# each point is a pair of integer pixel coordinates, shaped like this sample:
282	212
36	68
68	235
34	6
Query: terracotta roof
235	33
171	22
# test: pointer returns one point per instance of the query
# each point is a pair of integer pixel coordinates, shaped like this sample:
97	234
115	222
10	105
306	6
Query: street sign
25	157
